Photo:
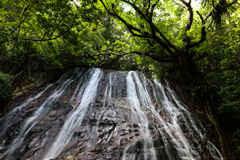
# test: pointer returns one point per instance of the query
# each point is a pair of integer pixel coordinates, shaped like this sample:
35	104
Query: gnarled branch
167	59
154	29
189	23
162	40
203	33
215	8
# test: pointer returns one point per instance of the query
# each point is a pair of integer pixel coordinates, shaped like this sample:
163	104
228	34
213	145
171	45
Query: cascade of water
139	101
121	112
107	100
188	118
8	120
108	91
213	150
167	99
77	95
38	114
171	127
75	118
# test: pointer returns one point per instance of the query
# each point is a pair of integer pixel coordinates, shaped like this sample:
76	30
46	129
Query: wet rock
2	147
108	128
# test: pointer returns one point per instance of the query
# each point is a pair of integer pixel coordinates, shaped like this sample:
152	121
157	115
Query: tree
178	43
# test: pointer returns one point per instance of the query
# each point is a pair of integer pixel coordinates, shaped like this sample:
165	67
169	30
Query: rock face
104	115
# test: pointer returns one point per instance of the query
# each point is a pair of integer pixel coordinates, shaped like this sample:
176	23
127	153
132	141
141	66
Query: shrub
5	87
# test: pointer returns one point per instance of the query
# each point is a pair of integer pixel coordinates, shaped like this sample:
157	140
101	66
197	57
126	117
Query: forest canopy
195	43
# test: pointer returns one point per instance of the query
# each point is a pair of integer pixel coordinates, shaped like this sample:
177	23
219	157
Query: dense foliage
221	68
192	43
5	85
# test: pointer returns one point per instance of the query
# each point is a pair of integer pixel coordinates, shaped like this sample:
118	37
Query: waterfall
38	114
105	114
75	118
140	101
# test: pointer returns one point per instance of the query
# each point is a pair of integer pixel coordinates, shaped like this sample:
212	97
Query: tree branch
132	28
230	4
189	23
203	33
167	59
142	15
129	26
217	6
171	45
21	20
152	9
179	4
167	43
148	6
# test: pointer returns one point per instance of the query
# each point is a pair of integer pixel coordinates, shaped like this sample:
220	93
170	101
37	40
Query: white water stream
139	101
40	112
75	118
148	104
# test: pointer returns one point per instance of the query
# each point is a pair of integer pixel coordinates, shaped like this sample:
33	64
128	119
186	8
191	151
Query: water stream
105	114
75	118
